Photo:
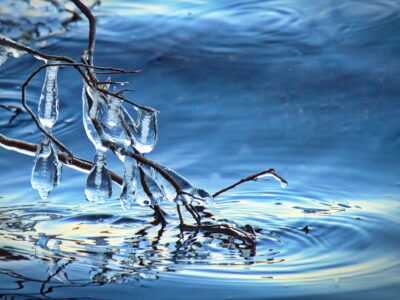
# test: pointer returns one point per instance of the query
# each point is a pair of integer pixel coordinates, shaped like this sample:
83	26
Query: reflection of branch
249	178
58	270
15	109
222	228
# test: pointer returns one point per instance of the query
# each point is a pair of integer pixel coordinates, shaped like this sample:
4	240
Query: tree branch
249	178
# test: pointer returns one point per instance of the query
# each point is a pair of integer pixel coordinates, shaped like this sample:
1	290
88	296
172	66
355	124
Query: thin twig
124	90
92	27
249	178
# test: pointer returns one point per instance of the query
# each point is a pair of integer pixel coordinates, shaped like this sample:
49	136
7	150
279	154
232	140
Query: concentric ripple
312	249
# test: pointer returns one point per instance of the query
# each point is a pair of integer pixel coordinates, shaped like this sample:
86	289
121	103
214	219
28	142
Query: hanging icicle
144	129
46	172
47	169
98	184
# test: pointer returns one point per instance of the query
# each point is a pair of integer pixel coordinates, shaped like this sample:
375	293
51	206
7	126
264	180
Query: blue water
310	88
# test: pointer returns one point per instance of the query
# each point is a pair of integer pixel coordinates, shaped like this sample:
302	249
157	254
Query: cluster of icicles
117	127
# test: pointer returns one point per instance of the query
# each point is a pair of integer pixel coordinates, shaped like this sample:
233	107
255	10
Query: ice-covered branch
85	166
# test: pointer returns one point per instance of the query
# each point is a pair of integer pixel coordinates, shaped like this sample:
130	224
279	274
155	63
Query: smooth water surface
310	88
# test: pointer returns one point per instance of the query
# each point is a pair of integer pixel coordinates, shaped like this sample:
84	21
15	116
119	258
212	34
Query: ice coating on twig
143	130
98	184
197	197
167	188
110	115
156	193
273	175
49	99
90	99
129	185
6	51
182	181
201	197
46	171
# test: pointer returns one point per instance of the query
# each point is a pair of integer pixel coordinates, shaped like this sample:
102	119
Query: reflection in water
116	250
77	250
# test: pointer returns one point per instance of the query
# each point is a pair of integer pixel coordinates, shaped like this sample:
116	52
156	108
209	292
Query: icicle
128	195
98	184
145	136
48	103
46	172
144	130
114	108
167	188
106	110
6	51
89	96
156	192
114	131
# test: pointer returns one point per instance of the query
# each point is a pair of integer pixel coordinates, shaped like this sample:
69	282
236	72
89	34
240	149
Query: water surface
310	89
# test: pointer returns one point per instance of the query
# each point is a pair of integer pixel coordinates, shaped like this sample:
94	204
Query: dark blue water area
308	88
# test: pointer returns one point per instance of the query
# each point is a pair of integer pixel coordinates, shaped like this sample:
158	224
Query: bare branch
92	27
30	149
249	178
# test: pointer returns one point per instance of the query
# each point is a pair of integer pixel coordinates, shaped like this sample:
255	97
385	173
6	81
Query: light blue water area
308	88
